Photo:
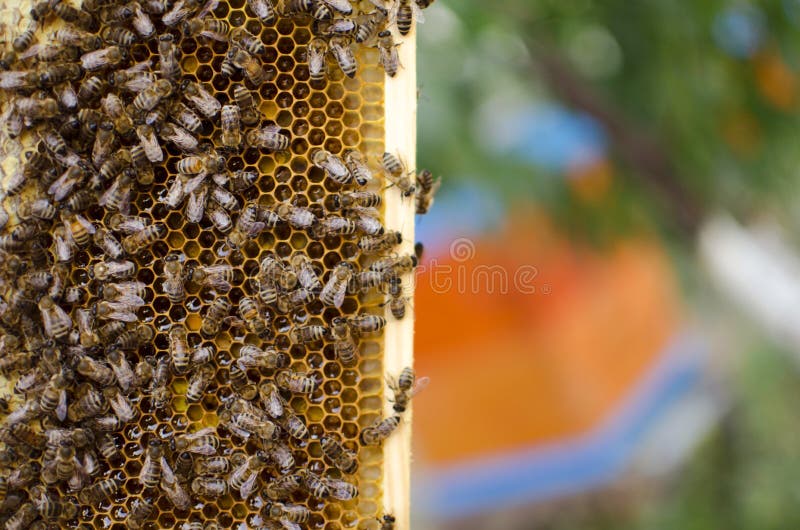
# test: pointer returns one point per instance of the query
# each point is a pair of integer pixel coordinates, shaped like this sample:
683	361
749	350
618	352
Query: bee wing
130	300
195	205
419	385
210	6
316	61
289	525
61	408
342	6
151	147
121	312
419	16
338	297
197	434
216	281
13	79
195	181
249	486
271	129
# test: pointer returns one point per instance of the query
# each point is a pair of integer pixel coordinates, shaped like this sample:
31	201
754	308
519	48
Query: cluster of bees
78	244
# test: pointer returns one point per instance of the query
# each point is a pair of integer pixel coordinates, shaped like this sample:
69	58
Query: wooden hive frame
399	95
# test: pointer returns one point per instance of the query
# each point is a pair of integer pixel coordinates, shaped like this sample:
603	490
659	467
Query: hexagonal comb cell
194	265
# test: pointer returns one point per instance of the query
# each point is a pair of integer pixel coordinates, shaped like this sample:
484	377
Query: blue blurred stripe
570	466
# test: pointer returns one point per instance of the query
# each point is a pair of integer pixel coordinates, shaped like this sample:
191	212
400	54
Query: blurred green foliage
726	122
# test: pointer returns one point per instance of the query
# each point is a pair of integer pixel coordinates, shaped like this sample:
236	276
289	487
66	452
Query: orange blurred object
775	80
546	354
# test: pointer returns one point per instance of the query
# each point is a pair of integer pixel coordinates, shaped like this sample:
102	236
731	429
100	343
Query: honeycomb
338	114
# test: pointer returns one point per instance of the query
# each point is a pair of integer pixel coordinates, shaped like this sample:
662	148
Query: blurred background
609	299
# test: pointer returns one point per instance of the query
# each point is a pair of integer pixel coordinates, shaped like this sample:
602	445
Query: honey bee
294	426
395	265
179	349
303	8
333	166
128	224
334	292
120	404
172	488
192	165
343	53
334	224
141	21
381	243
251	314
151	96
341	490
201	98
283	487
240	382
98	491
24	40
296	216
79	38
288	512
311	333
249	65
317	49
216	313
149	143
16	79
198	383
218	276
268	137
117	196
314	484
407	12
209	487
135	243
395	172
396	302
113	166
173	285
344	345
380	430
186	117
247	226
57	323
104	143
389	59
111	310
115	14
23	517
247	423
54	509
406	386
67	96
196	204
180	11
140	512
90	403
118	35
243	478
54	396
133	80
144	370
150	474
230	121
180	137
209	28
370	24
296	382
168	62
110	331
427	189
95	370
271	399
365	323
107	446
123	371
184	461
36	108
120	270
65	460
263	9
343	459
224	198
133	338
103	58
212	465
158	389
